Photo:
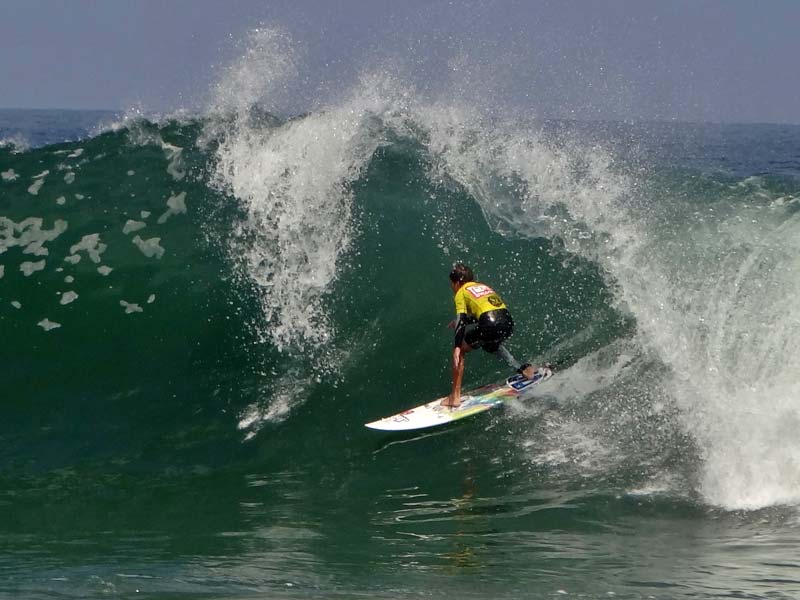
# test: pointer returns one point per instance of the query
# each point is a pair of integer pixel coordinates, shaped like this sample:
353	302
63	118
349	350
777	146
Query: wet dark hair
461	273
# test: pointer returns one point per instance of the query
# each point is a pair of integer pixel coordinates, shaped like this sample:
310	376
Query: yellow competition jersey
474	299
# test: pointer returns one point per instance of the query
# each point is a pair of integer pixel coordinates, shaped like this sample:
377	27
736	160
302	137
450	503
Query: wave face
186	301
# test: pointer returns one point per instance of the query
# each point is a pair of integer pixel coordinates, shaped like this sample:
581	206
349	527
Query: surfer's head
461	274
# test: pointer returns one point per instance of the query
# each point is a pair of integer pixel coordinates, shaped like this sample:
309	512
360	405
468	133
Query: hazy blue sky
721	60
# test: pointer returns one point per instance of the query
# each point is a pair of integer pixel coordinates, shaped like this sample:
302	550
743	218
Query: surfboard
433	414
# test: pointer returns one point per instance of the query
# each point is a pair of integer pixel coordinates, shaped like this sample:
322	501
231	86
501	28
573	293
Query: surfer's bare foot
451	402
529	371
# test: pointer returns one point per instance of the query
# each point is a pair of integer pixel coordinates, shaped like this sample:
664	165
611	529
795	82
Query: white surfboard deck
477	401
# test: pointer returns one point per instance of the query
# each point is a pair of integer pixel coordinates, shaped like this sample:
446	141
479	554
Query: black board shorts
493	328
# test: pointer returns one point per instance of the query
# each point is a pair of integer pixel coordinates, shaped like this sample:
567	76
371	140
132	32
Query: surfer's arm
461	329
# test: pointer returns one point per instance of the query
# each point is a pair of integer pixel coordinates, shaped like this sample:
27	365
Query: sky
699	61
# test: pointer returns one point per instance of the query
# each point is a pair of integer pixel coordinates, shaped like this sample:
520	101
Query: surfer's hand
451	324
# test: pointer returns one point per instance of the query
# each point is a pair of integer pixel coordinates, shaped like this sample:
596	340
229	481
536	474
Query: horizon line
586	120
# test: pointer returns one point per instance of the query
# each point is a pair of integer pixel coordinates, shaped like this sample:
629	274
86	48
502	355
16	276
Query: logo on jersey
480	290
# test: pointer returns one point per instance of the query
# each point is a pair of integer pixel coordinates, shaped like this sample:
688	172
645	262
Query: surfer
482	321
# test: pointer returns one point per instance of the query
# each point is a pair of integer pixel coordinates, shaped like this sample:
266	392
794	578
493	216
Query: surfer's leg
454	399
503	354
526	369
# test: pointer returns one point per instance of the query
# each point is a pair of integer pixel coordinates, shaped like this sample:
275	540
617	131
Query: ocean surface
198	314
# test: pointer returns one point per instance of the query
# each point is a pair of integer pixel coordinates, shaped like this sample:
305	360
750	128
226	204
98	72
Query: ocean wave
304	242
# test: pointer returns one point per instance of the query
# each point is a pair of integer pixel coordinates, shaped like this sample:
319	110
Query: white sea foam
104	270
294	182
69	177
736	327
2	271
48	325
90	244
130	307
9	175
713	296
35	187
176	205
525	186
28	233
61	200
16	304
132	226
174	155
36	248
151	248
68	297
28	268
